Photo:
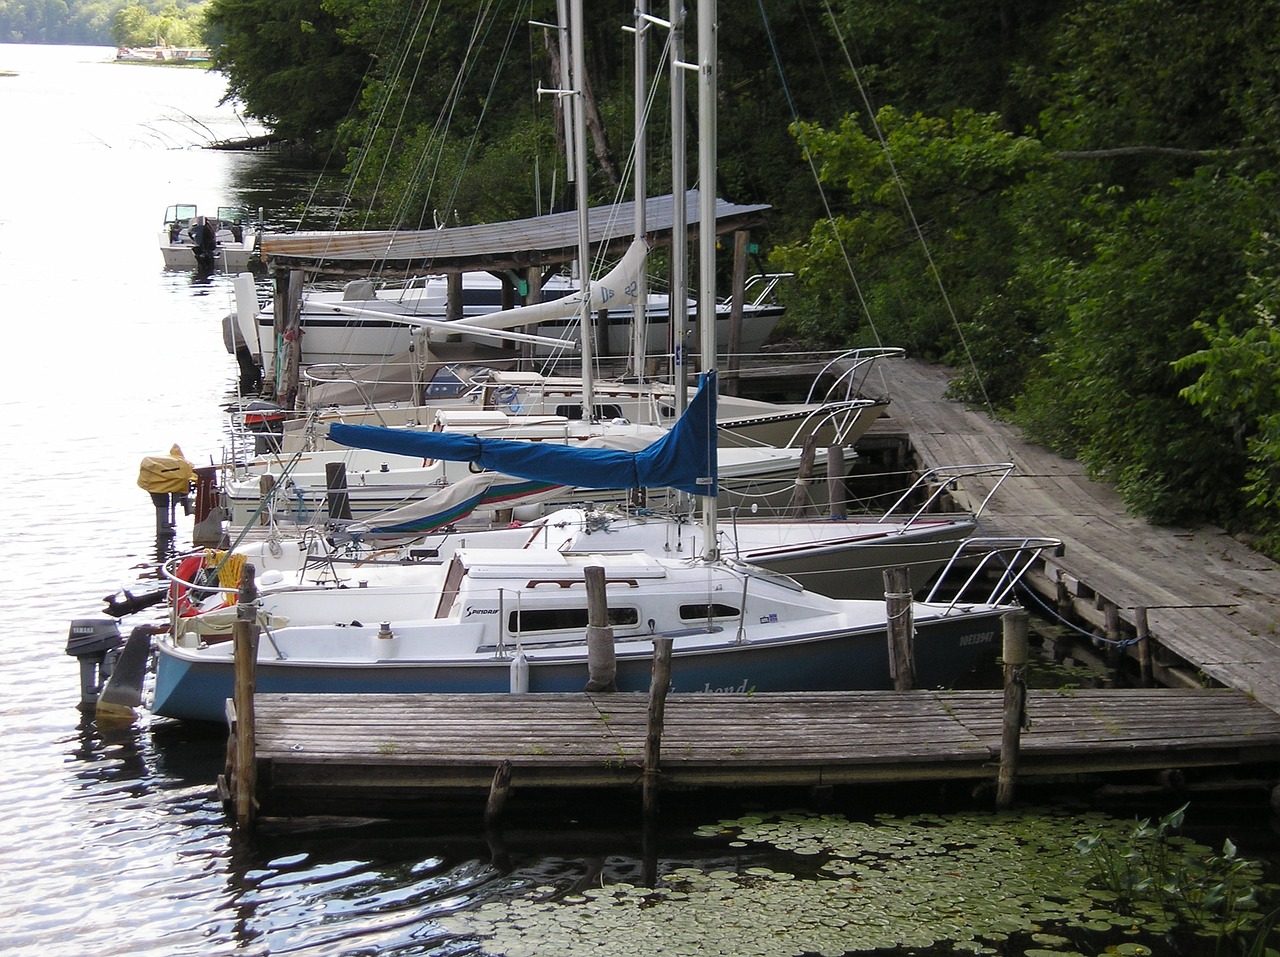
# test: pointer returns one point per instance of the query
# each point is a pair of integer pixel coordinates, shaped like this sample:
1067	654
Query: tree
918	244
290	64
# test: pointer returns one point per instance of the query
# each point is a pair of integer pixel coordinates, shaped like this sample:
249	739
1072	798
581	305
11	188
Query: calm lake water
115	842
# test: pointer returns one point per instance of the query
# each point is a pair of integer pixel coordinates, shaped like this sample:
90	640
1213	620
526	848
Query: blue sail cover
684	458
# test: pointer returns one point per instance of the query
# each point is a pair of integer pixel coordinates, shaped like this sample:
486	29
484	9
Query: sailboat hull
193	685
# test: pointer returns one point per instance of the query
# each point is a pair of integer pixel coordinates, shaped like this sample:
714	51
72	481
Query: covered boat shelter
528	245
521	252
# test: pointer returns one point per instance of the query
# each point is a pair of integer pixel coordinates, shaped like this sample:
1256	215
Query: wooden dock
1211	604
380	753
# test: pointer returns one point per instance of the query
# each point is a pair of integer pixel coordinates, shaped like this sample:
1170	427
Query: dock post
266	488
741	241
1015	704
1111	650
602	660
657	710
499	791
335	483
1143	628
245	637
800	493
837	495
900	619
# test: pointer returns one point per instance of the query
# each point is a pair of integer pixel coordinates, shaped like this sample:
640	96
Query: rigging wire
392	86
888	154
906	203
817	179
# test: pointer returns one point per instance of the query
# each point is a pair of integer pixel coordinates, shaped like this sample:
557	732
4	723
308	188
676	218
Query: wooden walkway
371	752
1211	602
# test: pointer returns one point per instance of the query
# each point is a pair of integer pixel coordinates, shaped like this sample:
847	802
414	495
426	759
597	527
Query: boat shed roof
540	241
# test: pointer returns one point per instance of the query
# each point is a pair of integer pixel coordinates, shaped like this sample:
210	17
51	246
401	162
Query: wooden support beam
602	660
245	637
653	725
1015	704
804	474
741	241
901	622
837	496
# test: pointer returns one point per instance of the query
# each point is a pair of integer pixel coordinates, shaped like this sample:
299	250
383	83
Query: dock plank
389	745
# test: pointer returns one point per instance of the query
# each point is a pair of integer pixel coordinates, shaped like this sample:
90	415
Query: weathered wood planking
343	747
1212	601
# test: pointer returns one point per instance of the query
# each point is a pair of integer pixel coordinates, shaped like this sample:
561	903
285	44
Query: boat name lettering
730	689
472	610
981	638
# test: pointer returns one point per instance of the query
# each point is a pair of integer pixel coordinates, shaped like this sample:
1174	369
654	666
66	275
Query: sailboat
498	620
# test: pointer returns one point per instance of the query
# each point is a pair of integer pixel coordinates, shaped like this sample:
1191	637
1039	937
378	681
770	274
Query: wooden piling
1015	704
245	638
741	241
1146	675
658	687
602	660
266	488
901	628
837	496
335	483
499	791
804	473
1114	636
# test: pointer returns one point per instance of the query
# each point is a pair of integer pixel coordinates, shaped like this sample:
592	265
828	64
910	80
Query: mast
584	250
707	223
638	318
677	301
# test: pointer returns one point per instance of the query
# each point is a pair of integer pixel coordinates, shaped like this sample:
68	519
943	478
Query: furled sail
683	459
615	290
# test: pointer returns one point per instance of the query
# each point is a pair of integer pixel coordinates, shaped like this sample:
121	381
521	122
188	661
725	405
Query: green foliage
288	63
940	56
1238	390
138	25
919	177
1107	387
175	22
1217	893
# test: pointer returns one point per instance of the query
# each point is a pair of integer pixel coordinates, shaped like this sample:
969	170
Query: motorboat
226	241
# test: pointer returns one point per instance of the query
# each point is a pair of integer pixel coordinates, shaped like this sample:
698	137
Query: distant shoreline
165	56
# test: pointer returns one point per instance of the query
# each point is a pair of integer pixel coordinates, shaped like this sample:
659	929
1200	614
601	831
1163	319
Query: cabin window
445	384
564	619
604	413
703	612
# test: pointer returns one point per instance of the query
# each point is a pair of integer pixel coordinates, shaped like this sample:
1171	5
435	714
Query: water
114	842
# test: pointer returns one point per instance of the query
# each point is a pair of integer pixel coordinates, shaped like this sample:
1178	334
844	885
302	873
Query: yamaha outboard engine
96	642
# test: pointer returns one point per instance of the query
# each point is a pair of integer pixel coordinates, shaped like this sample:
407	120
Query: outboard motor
96	642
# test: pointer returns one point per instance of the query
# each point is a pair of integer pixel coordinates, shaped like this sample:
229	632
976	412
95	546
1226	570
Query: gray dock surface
1210	600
